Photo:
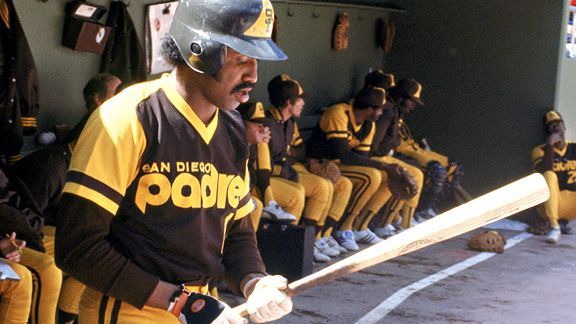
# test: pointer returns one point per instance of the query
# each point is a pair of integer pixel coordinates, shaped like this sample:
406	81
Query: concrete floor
531	282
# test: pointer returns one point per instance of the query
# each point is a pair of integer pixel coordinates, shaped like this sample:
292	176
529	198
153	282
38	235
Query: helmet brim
259	48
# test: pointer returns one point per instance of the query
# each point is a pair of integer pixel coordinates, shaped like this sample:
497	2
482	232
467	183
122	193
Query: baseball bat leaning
500	203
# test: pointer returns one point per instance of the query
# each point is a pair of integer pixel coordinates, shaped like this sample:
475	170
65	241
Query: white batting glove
228	316
267	302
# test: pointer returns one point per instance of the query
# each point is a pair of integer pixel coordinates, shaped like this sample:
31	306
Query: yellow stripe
92	195
336	135
244	210
14	158
4	14
277	169
362	148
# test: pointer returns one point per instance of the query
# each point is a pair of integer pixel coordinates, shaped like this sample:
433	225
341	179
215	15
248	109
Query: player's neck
186	85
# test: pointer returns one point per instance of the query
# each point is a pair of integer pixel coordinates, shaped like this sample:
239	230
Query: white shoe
366	237
346	240
325	249
385	231
553	236
334	244
277	213
319	257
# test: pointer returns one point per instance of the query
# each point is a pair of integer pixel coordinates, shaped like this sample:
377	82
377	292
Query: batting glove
202	309
267	301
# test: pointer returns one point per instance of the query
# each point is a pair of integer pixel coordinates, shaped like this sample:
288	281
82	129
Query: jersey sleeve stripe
92	195
91	183
337	135
244	210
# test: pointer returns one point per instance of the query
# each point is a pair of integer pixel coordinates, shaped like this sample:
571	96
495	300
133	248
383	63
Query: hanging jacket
123	56
18	84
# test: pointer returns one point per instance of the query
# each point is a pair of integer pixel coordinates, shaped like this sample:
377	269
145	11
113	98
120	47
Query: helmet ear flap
206	56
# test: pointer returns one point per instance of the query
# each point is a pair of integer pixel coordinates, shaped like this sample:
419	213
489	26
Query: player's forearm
547	163
241	255
82	250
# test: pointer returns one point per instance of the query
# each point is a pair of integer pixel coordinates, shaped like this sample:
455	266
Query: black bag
287	250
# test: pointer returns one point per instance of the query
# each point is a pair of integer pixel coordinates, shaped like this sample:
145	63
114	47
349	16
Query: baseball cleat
565	226
334	244
366	237
277	213
346	240
553	236
385	231
325	249
319	257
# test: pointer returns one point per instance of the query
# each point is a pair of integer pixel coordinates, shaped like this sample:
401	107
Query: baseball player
344	133
157	194
556	160
442	174
386	139
260	168
325	201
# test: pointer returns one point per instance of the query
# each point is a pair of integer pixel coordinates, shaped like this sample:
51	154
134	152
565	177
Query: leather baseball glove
326	169
488	241
401	183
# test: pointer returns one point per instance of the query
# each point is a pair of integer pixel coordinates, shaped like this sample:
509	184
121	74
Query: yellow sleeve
263	159
334	123
296	138
537	154
366	143
107	156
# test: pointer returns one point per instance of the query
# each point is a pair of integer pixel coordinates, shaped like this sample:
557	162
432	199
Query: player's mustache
243	86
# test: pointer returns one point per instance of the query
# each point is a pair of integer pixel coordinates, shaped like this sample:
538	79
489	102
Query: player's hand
267	301
554	138
11	248
264	135
203	309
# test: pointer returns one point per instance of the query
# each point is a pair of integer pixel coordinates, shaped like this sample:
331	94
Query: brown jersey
564	164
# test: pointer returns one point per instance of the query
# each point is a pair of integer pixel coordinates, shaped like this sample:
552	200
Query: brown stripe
115	311
102	311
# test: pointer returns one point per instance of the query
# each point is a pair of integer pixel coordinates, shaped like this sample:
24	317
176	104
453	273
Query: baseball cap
378	78
370	97
252	112
552	116
410	88
282	88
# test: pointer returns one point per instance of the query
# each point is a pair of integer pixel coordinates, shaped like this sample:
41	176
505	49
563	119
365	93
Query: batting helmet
202	29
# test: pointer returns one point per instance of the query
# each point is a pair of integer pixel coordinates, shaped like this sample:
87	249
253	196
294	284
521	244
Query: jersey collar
205	131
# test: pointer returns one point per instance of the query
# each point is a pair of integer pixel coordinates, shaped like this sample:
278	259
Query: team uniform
318	191
339	137
386	139
561	181
146	169
289	195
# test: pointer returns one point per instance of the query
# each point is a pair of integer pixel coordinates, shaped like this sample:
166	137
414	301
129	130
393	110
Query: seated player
325	200
442	174
344	134
556	160
386	139
260	169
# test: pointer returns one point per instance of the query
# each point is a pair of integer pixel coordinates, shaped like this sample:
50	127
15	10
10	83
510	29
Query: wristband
178	299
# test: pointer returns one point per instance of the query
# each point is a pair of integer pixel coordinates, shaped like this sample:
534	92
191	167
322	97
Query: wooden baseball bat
500	203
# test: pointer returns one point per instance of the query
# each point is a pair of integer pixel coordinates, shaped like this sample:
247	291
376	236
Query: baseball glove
401	183
326	169
488	241
538	229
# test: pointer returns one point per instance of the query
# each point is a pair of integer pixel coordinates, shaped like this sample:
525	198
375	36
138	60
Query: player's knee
343	186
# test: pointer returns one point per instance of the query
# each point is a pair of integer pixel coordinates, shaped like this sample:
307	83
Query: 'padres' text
206	190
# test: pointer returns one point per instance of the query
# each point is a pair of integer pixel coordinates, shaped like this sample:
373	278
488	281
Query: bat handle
243	311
